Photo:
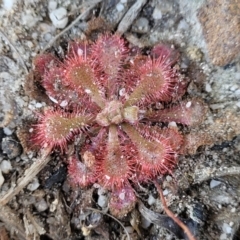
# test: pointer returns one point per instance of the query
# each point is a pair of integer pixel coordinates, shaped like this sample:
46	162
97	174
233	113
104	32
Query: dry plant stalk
171	214
130	16
208	173
12	222
29	174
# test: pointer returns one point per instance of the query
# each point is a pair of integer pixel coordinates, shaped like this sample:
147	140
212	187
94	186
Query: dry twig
29	174
208	173
99	211
12	222
130	16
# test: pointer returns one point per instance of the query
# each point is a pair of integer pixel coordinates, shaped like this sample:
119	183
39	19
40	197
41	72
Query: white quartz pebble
226	228
52	5
6	166
8	4
102	201
7	131
214	183
59	17
151	200
33	185
157	14
41	205
119	7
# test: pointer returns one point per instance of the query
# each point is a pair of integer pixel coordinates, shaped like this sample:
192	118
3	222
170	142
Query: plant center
115	113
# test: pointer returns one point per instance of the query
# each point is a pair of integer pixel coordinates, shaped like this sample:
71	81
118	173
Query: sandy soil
36	201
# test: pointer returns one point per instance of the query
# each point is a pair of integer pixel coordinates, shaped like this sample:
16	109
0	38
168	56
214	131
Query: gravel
28	26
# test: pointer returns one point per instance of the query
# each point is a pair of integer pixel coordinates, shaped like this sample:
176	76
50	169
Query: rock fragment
221	28
5	166
59	17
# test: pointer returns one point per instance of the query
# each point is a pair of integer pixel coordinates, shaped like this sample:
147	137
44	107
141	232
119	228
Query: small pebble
6	166
33	185
28	19
183	25
52	5
168	178
233	210
157	14
188	105
41	205
141	25
226	228
45	28
122	195
214	183
64	103
216	106
54	205
38	105
234	87
1	179
31	107
172	124
165	192
194	53
223	236
208	87
8	4
7	131
129	229
102	201
151	200
101	191
184	65
231	224
119	7
59	17
34	36
237	92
